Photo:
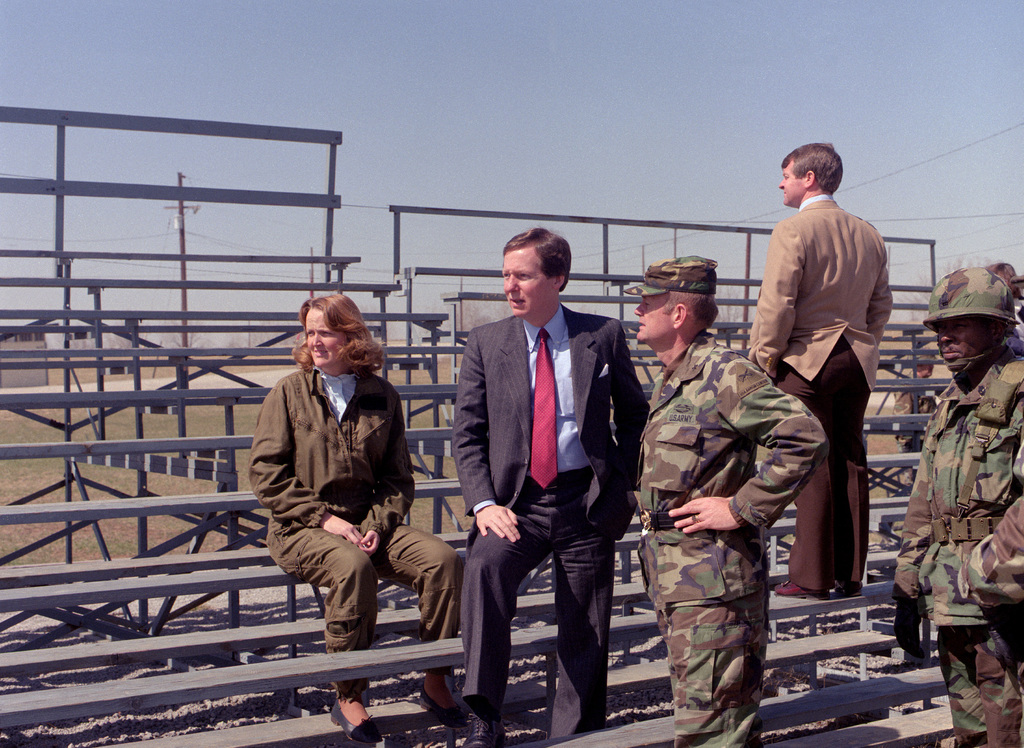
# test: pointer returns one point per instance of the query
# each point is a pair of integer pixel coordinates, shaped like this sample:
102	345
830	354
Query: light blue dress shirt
339	391
815	199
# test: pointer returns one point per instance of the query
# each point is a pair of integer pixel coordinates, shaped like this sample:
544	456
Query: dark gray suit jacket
493	415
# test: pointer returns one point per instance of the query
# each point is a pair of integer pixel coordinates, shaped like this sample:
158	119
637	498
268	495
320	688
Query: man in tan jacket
823	305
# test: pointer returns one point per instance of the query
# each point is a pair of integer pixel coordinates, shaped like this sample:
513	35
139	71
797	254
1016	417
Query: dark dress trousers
577	519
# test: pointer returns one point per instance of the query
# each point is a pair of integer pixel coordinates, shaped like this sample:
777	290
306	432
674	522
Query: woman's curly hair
362	353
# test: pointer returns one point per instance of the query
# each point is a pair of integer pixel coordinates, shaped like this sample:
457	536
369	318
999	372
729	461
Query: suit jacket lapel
584	361
515	373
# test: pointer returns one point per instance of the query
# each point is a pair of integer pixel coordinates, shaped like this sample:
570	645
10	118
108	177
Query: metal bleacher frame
239	562
211	458
205	458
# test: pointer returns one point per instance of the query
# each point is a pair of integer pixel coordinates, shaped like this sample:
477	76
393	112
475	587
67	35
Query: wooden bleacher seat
777	712
75	702
780	712
239	641
78	701
923	727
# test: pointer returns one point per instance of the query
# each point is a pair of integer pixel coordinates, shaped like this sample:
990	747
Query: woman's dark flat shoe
365	732
448	716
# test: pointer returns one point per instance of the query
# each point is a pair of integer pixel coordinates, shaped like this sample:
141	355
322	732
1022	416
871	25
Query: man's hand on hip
706	513
498	519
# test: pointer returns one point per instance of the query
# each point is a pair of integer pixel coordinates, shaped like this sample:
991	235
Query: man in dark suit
524	505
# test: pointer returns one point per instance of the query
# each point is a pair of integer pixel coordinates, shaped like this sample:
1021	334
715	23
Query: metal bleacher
139	392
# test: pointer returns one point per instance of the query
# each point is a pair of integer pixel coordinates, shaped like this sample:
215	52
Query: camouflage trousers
716	659
984	697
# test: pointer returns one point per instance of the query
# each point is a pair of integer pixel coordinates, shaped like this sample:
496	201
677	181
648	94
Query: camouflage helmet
970	292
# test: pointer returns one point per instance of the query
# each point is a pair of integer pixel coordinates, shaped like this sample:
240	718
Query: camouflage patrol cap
970	292
690	274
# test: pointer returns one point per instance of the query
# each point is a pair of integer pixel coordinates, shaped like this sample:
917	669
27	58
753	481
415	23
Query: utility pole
184	274
180	220
746	288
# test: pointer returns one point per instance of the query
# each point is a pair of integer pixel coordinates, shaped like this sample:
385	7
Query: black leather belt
568	478
657	521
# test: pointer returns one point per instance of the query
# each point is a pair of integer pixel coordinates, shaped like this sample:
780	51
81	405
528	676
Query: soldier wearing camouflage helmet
965	483
705	502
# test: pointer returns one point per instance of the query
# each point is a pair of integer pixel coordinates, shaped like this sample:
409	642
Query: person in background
968	477
909	403
330	461
821	311
1009	276
544	472
703	495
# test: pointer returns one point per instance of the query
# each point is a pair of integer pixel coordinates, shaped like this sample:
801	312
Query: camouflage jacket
994	573
927	569
707	421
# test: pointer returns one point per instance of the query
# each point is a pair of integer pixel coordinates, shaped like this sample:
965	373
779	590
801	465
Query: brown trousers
410	557
832	512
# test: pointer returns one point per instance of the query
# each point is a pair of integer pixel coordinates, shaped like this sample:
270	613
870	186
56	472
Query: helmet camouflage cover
970	292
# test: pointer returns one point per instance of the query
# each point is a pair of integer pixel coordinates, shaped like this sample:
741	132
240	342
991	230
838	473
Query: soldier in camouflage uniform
704	502
964	485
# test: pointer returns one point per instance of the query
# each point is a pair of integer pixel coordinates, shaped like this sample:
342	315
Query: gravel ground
266	606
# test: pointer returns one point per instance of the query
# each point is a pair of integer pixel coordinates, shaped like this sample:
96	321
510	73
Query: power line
948	218
21	176
936	158
232	245
908	168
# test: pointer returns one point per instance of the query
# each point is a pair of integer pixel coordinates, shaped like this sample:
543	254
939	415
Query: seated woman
330	460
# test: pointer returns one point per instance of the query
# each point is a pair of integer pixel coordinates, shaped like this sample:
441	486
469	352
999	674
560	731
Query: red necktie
543	447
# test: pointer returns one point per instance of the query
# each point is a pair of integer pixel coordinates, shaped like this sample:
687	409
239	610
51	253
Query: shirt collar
689	363
556	327
340	379
815	199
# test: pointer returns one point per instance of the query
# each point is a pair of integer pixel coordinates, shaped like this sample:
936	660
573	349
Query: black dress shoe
848	589
450	716
485	734
365	732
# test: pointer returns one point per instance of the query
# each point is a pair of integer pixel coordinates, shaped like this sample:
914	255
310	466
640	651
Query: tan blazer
826	276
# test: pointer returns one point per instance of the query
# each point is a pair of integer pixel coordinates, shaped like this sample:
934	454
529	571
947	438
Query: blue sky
651	110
